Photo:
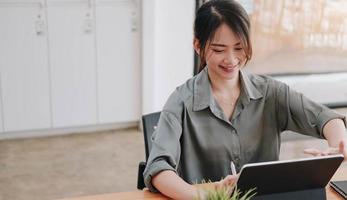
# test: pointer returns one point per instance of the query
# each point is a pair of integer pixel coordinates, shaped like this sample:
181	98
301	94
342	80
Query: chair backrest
149	123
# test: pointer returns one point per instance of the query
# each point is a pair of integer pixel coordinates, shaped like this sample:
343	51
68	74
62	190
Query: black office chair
149	123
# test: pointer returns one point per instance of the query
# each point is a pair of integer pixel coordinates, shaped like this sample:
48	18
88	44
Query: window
299	36
302	43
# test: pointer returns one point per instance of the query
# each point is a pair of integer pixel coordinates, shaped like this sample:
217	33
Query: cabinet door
1	114
24	66
118	56
72	55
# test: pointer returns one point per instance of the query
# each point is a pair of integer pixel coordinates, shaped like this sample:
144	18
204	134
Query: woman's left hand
342	149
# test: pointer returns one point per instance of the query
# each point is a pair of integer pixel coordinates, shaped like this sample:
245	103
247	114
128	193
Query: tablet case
292	179
340	187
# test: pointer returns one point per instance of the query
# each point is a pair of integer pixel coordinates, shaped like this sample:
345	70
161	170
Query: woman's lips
228	68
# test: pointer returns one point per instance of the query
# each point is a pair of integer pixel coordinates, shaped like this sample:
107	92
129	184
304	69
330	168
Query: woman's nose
231	60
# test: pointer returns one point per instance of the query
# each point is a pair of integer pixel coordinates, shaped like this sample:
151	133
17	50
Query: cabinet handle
88	25
88	22
40	22
40	26
134	17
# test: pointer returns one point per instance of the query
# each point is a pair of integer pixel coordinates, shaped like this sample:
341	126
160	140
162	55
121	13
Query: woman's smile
228	68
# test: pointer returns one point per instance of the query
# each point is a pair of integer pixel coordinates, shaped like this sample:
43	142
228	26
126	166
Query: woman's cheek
218	58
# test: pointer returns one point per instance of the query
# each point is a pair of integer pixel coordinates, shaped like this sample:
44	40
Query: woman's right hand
227	183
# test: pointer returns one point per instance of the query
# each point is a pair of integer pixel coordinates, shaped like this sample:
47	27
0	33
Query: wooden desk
341	174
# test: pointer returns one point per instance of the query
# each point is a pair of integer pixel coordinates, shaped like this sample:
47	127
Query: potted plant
225	193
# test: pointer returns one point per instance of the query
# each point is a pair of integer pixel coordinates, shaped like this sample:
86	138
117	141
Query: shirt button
237	159
237	165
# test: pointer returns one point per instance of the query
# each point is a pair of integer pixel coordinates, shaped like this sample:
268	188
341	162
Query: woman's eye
218	51
238	49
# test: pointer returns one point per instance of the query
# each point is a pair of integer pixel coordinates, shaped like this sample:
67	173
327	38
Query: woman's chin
229	72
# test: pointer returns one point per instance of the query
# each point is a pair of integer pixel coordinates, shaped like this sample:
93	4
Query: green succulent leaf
226	194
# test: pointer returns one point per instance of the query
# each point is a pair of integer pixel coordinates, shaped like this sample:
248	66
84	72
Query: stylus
232	167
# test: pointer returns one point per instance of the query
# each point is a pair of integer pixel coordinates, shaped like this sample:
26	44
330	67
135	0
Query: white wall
167	51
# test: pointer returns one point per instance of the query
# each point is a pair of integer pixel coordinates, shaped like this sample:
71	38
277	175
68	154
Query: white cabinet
69	63
1	112
72	63
1	118
24	66
118	60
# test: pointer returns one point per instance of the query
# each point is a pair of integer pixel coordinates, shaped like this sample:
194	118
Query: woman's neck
225	86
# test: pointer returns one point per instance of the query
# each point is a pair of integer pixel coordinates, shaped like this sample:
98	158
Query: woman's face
224	54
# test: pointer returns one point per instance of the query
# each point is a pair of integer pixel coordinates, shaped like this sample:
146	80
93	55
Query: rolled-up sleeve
166	148
300	114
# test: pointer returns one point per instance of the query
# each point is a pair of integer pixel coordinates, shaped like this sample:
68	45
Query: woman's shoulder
185	91
263	79
265	83
181	96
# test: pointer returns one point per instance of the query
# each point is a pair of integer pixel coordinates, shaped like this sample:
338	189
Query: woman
224	114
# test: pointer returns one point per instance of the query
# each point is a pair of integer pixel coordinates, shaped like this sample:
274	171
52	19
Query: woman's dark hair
216	12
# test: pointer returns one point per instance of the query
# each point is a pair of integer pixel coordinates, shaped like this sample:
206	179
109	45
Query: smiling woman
225	114
225	55
205	32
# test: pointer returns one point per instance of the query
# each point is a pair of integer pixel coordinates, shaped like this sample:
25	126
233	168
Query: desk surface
341	174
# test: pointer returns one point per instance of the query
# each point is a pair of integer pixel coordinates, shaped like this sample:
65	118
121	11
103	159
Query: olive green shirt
197	141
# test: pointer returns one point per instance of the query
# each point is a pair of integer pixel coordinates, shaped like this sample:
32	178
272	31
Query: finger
218	185
230	191
331	151
231	179
325	153
314	152
227	182
343	149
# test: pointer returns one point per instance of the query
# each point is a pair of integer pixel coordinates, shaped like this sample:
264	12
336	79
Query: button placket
236	148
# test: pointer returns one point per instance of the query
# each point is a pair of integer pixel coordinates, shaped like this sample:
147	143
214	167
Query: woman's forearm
335	132
171	185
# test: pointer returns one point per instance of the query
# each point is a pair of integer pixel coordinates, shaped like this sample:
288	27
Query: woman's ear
196	45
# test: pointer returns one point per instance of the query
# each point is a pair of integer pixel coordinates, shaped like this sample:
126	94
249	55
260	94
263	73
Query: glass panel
298	36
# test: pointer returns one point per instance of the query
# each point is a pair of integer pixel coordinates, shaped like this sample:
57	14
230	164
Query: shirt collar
202	91
203	97
248	86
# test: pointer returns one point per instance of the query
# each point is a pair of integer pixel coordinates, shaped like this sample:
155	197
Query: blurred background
77	75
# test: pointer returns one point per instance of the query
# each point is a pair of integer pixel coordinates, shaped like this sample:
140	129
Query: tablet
288	175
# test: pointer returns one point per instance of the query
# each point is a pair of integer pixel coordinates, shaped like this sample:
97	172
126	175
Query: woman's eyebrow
218	45
223	45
